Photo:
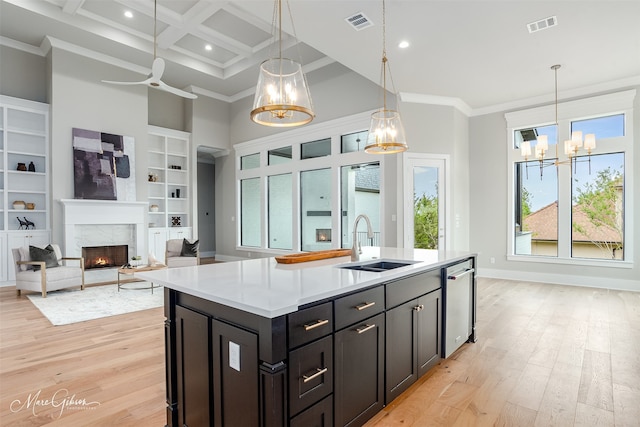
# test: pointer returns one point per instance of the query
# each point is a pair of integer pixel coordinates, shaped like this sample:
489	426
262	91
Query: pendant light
386	133
571	146
282	96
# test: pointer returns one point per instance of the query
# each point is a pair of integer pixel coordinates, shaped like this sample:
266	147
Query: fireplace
105	256
323	234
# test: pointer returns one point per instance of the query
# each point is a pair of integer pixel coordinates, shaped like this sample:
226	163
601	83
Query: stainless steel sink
377	266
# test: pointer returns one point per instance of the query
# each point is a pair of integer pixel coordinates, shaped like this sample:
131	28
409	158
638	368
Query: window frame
570	111
333	129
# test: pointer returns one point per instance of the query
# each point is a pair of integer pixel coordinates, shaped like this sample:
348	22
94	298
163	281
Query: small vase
178	193
22	167
32	167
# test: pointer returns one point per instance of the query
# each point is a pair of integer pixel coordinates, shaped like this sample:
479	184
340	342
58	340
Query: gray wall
206	208
435	129
79	99
23	75
489	222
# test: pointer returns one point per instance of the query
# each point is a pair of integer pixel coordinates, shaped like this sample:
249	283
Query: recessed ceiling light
208	47
403	44
128	14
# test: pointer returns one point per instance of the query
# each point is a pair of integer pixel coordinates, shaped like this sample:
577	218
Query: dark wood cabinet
334	362
232	367
235	376
402	349
413	334
193	407
359	365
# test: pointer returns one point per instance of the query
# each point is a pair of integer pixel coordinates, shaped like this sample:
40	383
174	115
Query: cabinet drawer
354	308
403	290
319	415
310	374
309	324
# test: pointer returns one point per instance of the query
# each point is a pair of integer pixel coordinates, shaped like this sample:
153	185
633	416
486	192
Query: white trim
596	106
561	279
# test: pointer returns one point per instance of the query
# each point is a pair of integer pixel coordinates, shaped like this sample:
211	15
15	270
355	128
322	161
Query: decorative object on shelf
152	224
32	167
136	260
30	206
386	132
175	221
153	177
571	146
178	167
154	208
157	68
282	96
22	167
19	205
178	193
173	195
26	224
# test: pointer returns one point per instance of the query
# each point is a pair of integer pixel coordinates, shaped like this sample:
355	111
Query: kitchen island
257	343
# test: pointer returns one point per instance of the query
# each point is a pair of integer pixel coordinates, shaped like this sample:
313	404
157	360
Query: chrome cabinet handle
461	274
316	374
310	326
365	328
365	305
419	307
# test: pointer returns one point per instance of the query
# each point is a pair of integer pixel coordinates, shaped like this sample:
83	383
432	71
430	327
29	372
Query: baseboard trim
562	279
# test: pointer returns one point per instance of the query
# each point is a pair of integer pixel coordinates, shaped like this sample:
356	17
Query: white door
425	201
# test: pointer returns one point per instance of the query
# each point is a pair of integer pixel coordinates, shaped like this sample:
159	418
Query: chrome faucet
356	249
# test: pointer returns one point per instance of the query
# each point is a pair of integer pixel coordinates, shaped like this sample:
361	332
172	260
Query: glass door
425	201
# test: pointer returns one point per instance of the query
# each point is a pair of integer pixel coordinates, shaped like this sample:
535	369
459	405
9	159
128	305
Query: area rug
73	305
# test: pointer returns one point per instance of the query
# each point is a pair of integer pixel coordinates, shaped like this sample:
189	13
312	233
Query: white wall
23	75
489	198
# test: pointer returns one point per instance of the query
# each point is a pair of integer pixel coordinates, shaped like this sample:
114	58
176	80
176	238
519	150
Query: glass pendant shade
386	133
282	98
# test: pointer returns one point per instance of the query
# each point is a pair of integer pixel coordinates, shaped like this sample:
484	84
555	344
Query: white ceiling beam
72	6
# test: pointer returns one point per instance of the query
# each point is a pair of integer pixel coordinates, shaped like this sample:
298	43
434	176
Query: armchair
36	276
182	253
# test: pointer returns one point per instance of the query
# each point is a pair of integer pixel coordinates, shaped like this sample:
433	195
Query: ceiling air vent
359	21
543	24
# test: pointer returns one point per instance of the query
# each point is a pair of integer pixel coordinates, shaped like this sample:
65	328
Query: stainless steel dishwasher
459	306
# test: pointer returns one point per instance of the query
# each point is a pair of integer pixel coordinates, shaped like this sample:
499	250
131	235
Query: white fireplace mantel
103	212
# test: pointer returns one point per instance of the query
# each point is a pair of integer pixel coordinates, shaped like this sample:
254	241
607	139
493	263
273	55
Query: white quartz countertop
266	288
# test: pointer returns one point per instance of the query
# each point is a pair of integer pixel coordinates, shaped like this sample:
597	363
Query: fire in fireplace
105	256
323	234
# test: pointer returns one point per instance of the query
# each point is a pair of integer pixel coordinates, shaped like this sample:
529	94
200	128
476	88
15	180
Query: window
316	181
321	148
251	161
353	142
250	209
279	155
360	193
315	210
280	211
572	208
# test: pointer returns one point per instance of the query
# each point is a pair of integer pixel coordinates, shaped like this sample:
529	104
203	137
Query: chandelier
386	133
571	146
282	96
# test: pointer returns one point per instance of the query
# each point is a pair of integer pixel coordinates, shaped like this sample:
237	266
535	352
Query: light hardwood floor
546	356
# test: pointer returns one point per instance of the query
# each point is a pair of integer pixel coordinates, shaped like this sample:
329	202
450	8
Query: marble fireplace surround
104	222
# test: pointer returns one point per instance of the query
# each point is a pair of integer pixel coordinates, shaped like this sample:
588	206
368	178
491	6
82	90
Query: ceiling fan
157	68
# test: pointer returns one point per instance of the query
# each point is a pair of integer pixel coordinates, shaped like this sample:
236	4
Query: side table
131	271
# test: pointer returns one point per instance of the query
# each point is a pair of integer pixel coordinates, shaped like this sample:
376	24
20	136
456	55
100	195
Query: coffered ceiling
477	54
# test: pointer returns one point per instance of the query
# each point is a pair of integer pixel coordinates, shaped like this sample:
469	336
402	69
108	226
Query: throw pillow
48	255
189	249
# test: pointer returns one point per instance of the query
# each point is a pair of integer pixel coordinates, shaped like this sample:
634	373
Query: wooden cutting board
312	256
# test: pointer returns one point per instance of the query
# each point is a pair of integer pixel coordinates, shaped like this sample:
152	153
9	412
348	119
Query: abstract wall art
104	165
